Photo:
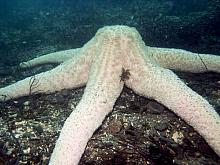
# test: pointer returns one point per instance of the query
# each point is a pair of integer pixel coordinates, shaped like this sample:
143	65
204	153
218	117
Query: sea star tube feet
100	64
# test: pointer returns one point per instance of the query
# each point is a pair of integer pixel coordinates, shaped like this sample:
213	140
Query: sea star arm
165	87
70	74
182	60
56	57
102	89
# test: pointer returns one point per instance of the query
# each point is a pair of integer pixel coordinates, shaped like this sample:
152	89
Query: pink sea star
99	65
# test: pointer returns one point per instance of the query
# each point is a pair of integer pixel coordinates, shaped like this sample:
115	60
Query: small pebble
216	93
115	126
26	103
178	137
155	107
65	92
161	127
60	99
38	129
27	151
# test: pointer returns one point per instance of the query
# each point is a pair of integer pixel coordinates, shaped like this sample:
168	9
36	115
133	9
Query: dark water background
35	27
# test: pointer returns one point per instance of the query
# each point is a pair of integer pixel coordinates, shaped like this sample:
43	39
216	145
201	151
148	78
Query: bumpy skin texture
97	101
99	64
57	57
183	60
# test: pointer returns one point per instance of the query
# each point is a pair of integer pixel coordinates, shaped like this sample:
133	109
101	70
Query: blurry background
29	28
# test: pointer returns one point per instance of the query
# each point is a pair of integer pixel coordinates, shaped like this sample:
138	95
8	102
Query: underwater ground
139	130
